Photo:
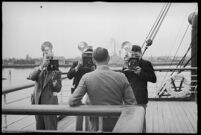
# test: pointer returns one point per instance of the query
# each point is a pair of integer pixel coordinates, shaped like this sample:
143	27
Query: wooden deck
161	117
171	117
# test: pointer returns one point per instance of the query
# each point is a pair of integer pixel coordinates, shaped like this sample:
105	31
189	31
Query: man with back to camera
104	87
78	69
138	76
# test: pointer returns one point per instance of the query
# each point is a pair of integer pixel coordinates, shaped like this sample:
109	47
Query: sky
26	25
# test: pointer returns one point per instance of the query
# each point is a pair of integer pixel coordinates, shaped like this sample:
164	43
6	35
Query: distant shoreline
112	65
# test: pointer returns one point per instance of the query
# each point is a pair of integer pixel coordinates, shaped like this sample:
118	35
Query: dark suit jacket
77	75
43	91
139	83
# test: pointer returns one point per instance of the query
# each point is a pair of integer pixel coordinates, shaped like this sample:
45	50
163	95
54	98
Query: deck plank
179	121
165	117
171	117
184	118
180	118
192	120
22	123
155	119
172	122
160	119
66	122
192	108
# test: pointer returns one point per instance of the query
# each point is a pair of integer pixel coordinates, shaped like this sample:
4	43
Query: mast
192	19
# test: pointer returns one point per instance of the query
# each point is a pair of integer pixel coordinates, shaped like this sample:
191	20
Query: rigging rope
154	25
165	13
157	27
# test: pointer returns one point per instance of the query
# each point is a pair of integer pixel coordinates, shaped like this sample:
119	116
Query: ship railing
15	89
61	94
131	117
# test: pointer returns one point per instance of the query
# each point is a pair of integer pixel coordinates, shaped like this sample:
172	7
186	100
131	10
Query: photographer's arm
78	94
147	73
72	71
34	74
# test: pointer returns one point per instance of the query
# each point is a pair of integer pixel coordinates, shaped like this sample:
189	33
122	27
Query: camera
87	60
53	65
133	63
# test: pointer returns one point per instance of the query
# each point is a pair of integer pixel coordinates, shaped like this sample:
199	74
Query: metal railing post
5	116
61	96
100	124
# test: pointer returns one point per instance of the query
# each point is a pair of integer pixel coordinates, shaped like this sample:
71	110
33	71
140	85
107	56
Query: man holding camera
48	82
138	72
78	69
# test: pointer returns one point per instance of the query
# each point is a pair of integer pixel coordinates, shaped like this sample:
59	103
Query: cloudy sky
26	25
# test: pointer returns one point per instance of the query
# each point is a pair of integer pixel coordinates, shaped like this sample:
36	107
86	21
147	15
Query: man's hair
136	48
100	54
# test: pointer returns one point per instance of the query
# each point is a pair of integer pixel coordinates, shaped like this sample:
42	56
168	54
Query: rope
157	26
161	20
153	25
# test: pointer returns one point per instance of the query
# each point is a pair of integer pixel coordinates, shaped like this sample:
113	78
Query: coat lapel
47	79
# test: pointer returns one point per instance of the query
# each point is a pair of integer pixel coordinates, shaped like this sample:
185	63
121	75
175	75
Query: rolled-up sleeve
79	92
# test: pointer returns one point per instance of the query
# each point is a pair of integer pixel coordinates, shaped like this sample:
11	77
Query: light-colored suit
44	93
104	87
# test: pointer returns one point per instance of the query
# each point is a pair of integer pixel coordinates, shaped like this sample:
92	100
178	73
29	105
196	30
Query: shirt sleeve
34	74
79	92
71	73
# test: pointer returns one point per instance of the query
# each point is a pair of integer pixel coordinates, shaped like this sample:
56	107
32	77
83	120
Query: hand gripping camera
130	61
86	54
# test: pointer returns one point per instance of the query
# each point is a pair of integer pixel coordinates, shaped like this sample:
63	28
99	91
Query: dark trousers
46	122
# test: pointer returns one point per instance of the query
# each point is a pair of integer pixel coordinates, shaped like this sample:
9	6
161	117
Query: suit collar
103	67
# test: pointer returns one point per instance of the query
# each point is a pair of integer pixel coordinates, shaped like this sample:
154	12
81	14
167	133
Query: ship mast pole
192	19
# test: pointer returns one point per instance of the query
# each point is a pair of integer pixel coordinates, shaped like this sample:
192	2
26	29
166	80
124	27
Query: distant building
61	59
119	53
28	57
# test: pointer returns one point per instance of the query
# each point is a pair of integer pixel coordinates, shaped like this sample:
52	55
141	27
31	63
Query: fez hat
136	48
46	44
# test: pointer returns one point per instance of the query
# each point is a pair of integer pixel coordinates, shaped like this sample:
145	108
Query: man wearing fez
139	76
103	87
48	84
78	69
